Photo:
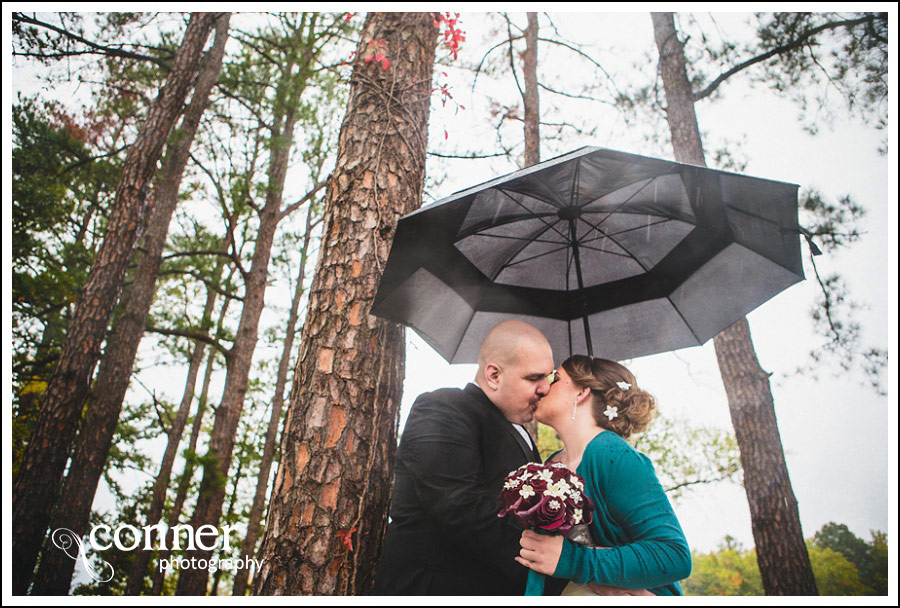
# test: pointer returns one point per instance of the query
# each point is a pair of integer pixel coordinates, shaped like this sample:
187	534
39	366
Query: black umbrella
607	253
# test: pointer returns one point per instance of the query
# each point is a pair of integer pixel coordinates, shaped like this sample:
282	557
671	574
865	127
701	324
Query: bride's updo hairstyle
612	386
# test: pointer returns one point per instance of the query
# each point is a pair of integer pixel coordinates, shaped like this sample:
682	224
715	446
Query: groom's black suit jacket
445	537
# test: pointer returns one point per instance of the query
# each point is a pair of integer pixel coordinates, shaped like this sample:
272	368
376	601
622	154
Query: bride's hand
540	552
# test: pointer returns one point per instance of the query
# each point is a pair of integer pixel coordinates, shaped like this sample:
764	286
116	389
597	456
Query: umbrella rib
479	230
534	257
519	250
538	216
631	255
686	324
754	215
622	255
633	194
506	264
644	227
518	238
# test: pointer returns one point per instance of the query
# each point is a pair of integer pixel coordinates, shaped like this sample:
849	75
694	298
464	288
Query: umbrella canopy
610	254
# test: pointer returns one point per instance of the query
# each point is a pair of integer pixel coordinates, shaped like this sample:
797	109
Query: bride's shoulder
611	448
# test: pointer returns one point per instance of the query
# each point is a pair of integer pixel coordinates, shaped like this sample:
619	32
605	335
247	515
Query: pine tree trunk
532	95
333	483
781	552
232	502
184	480
248	549
208	510
92	446
135	583
532	124
40	475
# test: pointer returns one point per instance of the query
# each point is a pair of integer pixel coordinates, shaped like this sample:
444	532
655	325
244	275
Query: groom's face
523	382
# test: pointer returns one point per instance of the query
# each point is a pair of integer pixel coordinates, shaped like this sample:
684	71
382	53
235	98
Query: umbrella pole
584	318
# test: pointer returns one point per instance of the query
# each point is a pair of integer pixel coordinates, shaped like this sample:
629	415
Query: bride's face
558	401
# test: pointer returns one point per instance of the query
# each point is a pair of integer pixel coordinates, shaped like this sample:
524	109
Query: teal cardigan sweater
633	518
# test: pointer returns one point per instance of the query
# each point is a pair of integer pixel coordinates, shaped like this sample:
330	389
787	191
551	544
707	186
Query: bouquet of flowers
547	497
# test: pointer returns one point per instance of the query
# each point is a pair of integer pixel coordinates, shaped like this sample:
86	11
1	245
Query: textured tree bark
532	95
208	510
782	555
532	123
92	446
37	487
329	505
248	549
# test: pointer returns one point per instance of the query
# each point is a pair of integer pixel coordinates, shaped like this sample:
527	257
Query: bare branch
586	56
512	62
205	280
191	335
468	156
574	96
293	207
97	49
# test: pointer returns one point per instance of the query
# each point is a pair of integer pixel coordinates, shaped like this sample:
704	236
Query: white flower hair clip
623	385
611	412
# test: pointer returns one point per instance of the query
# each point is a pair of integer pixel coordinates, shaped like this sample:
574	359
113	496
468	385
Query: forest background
599	88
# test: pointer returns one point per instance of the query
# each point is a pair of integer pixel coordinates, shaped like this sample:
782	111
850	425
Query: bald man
457	447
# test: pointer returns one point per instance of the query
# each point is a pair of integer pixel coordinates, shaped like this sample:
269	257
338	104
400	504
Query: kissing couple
458	447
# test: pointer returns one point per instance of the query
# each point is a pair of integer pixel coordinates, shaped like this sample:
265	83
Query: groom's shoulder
452	397
449	401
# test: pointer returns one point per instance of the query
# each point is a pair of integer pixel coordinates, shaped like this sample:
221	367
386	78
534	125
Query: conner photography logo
126	537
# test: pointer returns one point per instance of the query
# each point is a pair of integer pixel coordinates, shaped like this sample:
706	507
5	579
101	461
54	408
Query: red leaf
345	536
385	63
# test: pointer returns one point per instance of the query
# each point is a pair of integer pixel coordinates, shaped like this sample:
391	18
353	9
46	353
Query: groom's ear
492	375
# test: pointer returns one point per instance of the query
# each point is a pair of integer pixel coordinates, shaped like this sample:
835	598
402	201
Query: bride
595	405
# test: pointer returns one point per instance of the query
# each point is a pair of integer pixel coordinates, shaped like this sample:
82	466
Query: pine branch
97	49
191	335
801	40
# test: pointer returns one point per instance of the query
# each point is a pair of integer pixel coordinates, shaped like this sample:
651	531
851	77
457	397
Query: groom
457	447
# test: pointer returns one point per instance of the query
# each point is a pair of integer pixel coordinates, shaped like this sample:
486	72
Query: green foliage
729	571
684	456
60	196
835	574
547	441
842	563
869	559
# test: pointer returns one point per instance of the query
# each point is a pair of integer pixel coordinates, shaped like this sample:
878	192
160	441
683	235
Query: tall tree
161	484
329	505
783	558
248	548
95	438
302	48
190	458
44	460
531	95
62	190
